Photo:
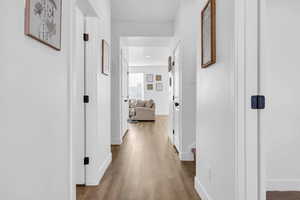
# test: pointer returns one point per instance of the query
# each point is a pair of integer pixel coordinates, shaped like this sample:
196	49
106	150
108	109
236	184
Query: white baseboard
101	172
283	185
201	190
186	156
116	141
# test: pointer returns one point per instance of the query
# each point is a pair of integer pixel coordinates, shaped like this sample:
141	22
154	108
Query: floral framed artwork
43	21
208	36
159	87
149	78
105	58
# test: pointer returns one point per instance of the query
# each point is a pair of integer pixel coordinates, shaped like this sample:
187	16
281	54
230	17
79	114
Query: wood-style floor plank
283	195
145	167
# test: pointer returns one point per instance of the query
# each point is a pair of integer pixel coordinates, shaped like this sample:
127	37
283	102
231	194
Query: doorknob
125	100
177	104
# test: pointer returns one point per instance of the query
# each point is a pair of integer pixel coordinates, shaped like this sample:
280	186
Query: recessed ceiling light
148	56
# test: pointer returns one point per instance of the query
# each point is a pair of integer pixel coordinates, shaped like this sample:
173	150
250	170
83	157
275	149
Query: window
136	86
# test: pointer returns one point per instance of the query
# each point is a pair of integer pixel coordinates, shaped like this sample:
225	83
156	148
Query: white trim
239	100
201	190
101	172
186	156
116	141
247	141
283	185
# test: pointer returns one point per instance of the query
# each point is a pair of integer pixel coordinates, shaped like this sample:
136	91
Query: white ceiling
144	10
148	56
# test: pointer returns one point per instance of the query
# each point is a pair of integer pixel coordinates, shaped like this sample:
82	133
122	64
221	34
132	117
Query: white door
78	122
171	105
124	98
279	82
176	99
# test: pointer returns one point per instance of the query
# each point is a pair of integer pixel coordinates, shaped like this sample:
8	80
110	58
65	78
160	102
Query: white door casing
177	102
247	139
78	126
124	99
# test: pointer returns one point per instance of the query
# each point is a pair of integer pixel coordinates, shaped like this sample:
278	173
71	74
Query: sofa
140	110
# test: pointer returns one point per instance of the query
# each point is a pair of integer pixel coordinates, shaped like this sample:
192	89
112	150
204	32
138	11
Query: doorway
144	79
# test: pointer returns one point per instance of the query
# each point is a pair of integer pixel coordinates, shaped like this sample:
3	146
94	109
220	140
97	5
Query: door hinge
86	37
173	132
86	99
258	102
86	161
173	63
173	98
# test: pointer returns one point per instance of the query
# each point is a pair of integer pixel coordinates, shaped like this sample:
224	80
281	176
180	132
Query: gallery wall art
158	77
43	21
149	78
105	58
170	64
208	17
159	87
149	86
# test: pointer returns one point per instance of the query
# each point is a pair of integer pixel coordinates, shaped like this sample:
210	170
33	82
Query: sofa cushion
140	103
149	104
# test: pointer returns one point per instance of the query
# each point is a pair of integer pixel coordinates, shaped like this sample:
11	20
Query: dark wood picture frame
105	58
28	32
170	63
210	7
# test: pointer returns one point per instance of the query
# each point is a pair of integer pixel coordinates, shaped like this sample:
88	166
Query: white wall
186	32
161	98
215	112
128	29
34	130
280	83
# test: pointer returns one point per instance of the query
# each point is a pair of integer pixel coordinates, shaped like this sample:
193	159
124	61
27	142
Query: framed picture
149	78
105	58
159	87
208	17
170	64
149	86
158	77
43	21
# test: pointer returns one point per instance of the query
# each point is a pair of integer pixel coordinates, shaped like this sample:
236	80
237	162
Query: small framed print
149	78
158	77
149	86
208	17
159	87
105	58
170	64
43	21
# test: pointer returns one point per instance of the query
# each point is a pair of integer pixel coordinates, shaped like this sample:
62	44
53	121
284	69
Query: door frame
87	9
248	49
174	49
122	57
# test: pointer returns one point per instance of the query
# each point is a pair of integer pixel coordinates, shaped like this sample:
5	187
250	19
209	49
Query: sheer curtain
136	85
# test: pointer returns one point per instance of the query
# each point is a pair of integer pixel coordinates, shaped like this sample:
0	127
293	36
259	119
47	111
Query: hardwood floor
283	195
145	167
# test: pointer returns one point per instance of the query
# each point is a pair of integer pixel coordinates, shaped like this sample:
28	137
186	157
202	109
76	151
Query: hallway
145	167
